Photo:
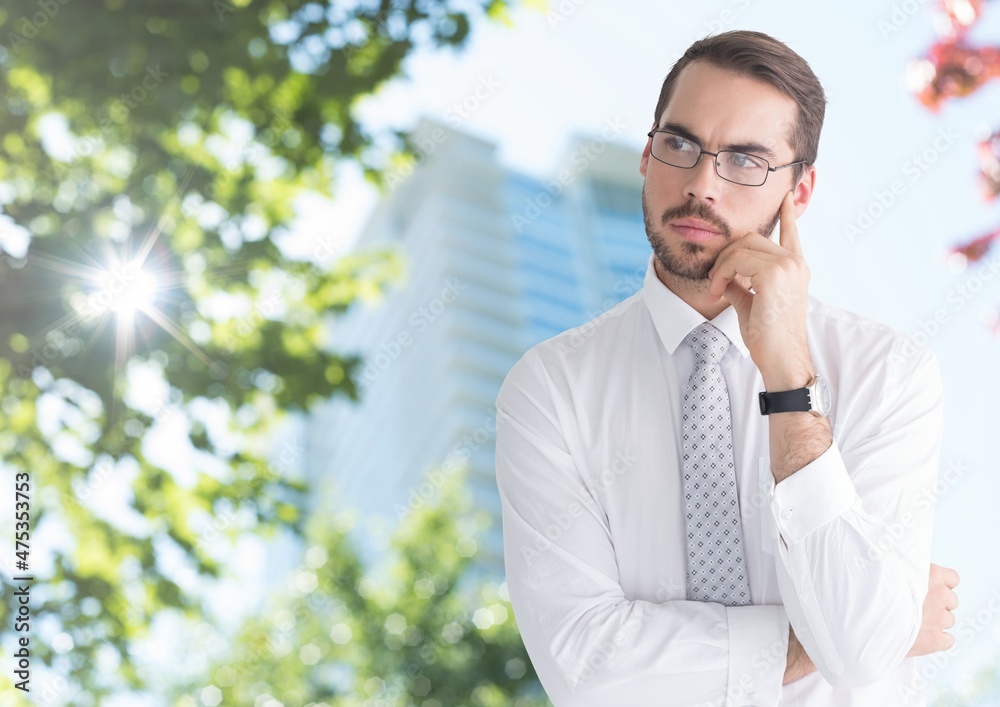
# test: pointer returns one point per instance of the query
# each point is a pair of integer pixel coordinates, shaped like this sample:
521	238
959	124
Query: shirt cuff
758	654
812	497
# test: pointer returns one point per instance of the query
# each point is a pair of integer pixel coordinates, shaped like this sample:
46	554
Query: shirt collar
674	318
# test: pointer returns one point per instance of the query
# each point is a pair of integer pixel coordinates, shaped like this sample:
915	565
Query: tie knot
709	344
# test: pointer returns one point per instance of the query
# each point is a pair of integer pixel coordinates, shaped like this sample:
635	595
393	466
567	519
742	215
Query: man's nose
703	182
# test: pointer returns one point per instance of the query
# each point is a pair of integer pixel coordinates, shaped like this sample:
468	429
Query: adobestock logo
419	321
914	168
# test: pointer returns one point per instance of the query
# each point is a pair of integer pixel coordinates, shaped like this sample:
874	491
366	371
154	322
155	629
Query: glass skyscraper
497	261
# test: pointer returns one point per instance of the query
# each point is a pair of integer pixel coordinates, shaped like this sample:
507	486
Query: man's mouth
694	229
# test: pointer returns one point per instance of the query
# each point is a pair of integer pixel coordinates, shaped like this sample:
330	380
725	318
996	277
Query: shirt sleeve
855	530
589	644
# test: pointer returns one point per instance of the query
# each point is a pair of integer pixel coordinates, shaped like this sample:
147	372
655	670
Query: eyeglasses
737	167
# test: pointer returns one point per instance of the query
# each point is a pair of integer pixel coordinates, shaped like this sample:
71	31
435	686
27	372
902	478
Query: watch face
824	398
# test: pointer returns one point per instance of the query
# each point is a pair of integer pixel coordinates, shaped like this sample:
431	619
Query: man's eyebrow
754	148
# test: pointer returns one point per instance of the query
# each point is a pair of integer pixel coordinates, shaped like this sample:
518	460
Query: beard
685	262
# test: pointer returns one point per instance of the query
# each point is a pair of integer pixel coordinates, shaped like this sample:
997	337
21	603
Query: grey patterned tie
716	568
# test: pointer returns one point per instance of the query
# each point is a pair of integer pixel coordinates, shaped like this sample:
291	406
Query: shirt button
752	695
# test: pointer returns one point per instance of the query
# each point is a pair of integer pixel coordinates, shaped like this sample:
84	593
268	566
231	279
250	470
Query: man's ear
804	189
644	160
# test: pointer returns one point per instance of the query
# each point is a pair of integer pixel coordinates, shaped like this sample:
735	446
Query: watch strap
785	401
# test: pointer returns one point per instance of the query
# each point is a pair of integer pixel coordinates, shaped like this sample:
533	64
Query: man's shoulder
568	348
825	314
865	339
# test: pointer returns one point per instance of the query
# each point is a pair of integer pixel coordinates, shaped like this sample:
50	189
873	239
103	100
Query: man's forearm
796	438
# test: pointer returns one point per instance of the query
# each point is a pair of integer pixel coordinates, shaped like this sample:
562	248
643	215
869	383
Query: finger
951	603
726	259
737	294
939	575
789	234
747	263
950	577
755	241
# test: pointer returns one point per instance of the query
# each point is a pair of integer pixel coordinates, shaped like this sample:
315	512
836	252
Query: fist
940	601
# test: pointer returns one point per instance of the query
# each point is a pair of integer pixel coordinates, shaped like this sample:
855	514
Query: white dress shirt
589	472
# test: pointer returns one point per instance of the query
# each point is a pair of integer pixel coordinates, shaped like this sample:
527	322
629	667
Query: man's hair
761	57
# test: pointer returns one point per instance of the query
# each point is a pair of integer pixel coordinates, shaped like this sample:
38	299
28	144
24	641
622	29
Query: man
673	537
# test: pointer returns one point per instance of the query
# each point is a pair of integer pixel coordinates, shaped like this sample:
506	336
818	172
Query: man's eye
678	144
743	161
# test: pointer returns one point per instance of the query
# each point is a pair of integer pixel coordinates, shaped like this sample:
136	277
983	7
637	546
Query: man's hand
940	601
799	664
773	317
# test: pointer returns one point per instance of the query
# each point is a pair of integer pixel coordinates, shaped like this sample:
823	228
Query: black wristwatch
814	398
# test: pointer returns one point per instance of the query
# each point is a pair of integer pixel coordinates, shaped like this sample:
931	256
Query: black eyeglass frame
703	151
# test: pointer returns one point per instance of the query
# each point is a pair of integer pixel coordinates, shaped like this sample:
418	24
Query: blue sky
582	63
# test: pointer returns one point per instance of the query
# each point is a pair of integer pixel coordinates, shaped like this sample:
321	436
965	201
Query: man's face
720	110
